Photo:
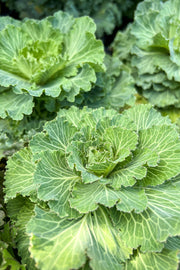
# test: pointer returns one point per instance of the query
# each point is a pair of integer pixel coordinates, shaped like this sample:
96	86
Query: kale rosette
57	56
98	190
150	46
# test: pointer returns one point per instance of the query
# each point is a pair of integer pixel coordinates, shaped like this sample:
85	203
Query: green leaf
165	141
159	261
5	20
134	169
84	46
69	240
55	181
16	134
58	135
82	81
56	237
153	226
162	99
118	84
21	210
108	250
132	199
62	21
14	105
173	243
20	174
74	116
145	116
8	261
2	216
86	198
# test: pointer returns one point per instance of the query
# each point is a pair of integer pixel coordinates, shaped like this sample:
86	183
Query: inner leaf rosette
109	182
116	154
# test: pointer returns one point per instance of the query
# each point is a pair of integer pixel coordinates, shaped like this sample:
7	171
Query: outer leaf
56	239
166	144
113	89
58	135
173	243
20	174
16	134
132	199
82	81
108	250
159	221
156	261
145	116
63	22
21	210
92	234
15	105
9	260
162	99
8	20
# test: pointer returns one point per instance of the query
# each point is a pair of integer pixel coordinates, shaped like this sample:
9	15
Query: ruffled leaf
93	235
15	105
55	181
154	225
86	198
20	174
159	261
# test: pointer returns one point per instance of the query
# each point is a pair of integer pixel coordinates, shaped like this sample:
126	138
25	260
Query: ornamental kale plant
57	56
154	55
98	190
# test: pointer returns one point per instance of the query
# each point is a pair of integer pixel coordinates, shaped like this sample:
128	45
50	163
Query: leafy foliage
58	56
113	89
8	258
94	189
102	190
106	14
152	50
14	135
